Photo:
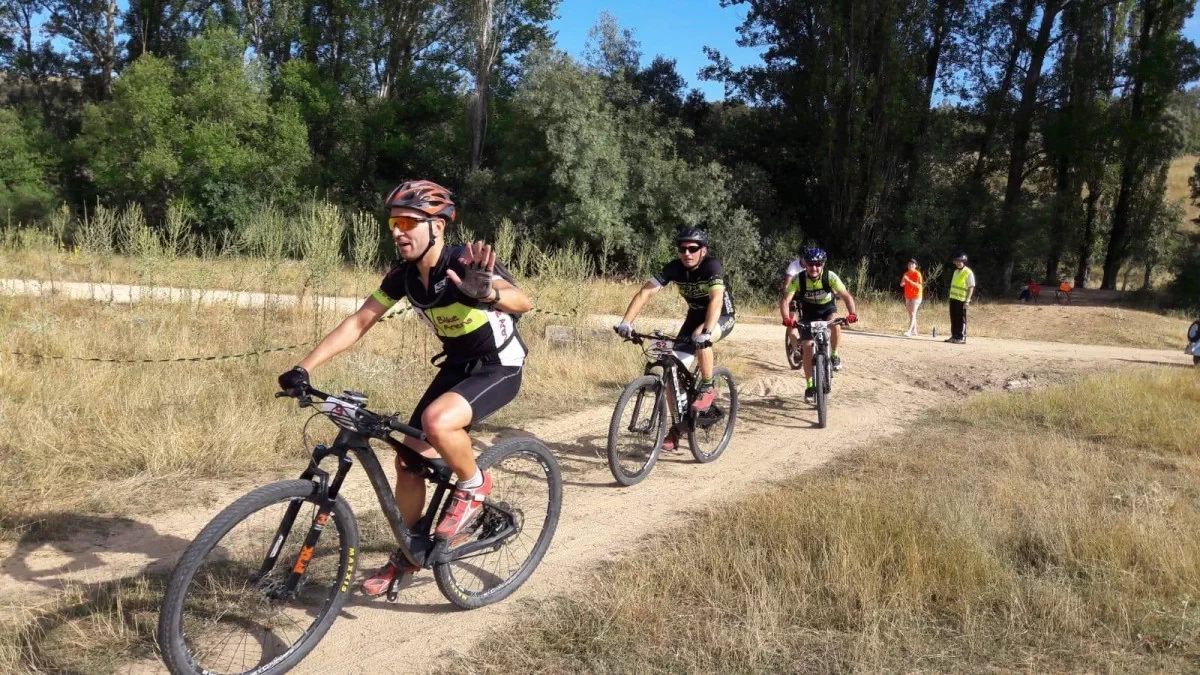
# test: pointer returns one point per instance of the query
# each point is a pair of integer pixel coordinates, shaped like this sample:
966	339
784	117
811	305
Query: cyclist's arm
785	303
640	299
716	298
346	334
849	300
512	299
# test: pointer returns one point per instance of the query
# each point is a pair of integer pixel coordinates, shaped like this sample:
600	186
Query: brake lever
303	400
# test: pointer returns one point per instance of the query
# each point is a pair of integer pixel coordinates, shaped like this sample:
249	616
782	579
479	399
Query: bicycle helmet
692	234
425	196
961	257
814	255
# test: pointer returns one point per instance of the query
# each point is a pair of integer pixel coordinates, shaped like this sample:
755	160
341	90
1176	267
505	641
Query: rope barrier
222	357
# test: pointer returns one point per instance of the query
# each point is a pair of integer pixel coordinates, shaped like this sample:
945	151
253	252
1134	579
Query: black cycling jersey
695	284
469	329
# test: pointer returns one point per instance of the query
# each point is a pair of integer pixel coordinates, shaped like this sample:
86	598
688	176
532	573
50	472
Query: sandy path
888	382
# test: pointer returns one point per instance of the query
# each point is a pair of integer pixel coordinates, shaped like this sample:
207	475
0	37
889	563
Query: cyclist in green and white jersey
818	289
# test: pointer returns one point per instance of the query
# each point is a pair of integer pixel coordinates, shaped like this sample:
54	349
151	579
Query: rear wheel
713	429
224	613
793	349
527	482
821	384
635	434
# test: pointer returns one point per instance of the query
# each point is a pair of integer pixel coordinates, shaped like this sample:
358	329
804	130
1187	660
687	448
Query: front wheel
527	482
635	434
227	608
821	384
712	429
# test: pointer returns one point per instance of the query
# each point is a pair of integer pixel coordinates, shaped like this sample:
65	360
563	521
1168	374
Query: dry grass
111	438
1072	542
577	290
86	629
1048	322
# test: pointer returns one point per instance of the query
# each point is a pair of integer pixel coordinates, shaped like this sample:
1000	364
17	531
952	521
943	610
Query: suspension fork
327	493
637	403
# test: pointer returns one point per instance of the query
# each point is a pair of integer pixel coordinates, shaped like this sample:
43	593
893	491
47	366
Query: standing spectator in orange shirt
914	286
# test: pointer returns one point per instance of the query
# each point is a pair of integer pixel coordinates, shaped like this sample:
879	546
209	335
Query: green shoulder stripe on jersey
383	298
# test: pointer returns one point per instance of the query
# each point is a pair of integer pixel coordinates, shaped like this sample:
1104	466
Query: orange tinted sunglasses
406	223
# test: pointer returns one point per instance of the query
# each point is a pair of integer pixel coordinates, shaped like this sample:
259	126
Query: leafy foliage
1033	133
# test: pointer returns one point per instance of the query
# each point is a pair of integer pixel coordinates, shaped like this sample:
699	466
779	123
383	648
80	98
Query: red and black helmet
425	196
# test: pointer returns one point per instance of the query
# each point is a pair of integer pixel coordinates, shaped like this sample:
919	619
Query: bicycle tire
794	354
651	385
731	417
822	396
444	572
171	638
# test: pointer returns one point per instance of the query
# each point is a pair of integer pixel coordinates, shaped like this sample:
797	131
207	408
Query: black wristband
490	301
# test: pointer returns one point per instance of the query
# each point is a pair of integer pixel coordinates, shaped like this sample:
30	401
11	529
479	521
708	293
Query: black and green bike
262	583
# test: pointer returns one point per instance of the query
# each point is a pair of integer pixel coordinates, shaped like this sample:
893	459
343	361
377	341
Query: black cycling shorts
723	328
817	312
487	387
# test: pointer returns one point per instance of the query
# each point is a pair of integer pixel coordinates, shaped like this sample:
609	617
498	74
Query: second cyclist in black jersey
472	304
710	314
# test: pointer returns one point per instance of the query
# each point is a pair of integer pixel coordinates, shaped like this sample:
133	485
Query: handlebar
371	419
840	321
637	338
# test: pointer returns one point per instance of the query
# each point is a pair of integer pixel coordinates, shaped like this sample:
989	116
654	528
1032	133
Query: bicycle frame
820	333
416	543
677	380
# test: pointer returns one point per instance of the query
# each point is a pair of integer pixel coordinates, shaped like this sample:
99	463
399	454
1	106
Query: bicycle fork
328	492
654	421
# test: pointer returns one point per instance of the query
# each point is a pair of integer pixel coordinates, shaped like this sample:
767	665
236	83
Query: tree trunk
1083	269
1063	199
1147	284
1131	161
991	121
485	43
109	57
913	155
1009	227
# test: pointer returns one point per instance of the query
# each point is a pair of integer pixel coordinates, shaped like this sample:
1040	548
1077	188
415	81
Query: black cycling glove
295	381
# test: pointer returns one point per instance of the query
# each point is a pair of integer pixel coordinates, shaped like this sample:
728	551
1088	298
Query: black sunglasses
690	249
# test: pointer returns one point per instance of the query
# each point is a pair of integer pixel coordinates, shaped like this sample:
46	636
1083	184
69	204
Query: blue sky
680	29
677	29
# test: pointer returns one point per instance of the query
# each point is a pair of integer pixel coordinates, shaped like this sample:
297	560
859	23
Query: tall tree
1160	62
1011	225
90	26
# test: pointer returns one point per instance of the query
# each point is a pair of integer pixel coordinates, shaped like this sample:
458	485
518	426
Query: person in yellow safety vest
962	289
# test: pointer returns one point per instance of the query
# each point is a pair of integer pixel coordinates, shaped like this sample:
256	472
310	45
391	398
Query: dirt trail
888	382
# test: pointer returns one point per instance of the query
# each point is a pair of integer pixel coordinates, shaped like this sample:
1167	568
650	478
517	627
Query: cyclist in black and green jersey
472	303
710	315
818	288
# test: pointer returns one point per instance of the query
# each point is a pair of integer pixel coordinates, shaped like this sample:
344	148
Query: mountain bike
261	584
822	372
663	396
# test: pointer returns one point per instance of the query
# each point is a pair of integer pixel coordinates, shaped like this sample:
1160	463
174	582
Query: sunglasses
815	264
406	223
690	249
